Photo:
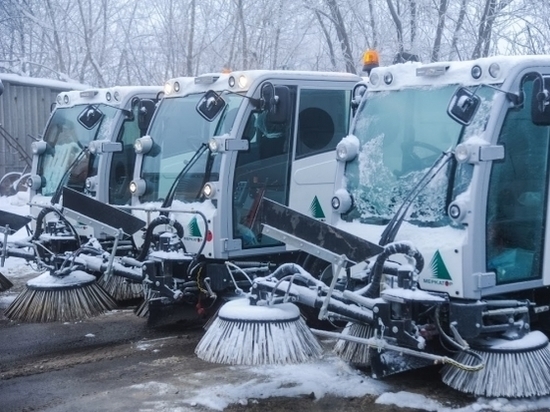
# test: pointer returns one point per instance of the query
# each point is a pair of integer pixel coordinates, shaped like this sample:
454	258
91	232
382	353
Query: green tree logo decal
316	209
193	228
438	267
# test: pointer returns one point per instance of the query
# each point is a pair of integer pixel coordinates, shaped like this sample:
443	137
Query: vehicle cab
216	147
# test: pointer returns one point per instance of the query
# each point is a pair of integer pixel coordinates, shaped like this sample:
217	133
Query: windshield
66	138
178	131
402	133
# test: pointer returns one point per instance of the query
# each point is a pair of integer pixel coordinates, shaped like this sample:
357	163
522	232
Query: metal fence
25	107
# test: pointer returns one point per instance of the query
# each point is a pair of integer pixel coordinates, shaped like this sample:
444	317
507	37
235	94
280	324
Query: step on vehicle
446	168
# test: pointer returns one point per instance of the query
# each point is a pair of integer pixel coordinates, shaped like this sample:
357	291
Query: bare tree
442	11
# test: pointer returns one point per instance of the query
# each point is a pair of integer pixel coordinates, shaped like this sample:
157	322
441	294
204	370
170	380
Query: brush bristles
506	374
60	305
240	342
353	352
119	289
5	283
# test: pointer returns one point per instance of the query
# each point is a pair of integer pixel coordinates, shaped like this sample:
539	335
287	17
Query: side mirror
276	102
359	91
146	109
463	106
90	116
540	101
210	105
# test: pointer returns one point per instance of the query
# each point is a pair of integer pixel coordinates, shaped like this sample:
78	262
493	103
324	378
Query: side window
323	120
516	203
122	163
262	171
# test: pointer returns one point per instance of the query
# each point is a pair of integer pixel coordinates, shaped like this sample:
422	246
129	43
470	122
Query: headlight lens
38	147
462	153
210	190
137	187
143	145
243	81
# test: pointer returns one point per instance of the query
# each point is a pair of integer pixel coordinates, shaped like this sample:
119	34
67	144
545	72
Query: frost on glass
403	135
66	139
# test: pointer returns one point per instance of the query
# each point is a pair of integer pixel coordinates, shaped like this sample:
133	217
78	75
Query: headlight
476	72
231	81
66	99
91	184
347	149
215	145
34	182
388	78
167	88
462	153
374	79
243	81
341	201
137	187
143	145
176	87
494	70
210	190
39	147
458	210
94	146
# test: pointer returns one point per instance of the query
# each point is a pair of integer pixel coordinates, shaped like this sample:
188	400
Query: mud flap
386	363
316	232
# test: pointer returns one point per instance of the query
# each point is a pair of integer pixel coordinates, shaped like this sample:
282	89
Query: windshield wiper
171	193
59	189
394	224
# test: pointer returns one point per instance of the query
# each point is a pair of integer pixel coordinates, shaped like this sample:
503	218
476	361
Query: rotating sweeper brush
486	346
245	334
68	290
50	298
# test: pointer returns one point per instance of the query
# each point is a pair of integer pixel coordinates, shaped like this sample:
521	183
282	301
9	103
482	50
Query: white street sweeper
213	151
87	147
446	168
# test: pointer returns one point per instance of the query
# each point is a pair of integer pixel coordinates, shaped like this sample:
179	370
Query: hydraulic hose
40	223
160	220
405	248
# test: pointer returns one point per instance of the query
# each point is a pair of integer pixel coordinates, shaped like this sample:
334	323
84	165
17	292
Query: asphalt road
115	362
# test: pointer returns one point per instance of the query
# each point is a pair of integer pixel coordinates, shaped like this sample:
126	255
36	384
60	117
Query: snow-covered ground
219	387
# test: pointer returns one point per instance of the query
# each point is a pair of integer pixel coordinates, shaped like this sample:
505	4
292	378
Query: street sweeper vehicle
446	171
87	147
240	137
213	151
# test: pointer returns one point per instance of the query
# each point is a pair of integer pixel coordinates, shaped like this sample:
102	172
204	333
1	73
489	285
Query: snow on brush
219	387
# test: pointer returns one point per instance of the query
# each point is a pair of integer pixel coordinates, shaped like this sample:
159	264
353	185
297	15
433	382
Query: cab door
323	120
261	171
517	198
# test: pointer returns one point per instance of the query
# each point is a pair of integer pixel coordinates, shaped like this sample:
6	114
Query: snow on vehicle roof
242	81
113	96
488	70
